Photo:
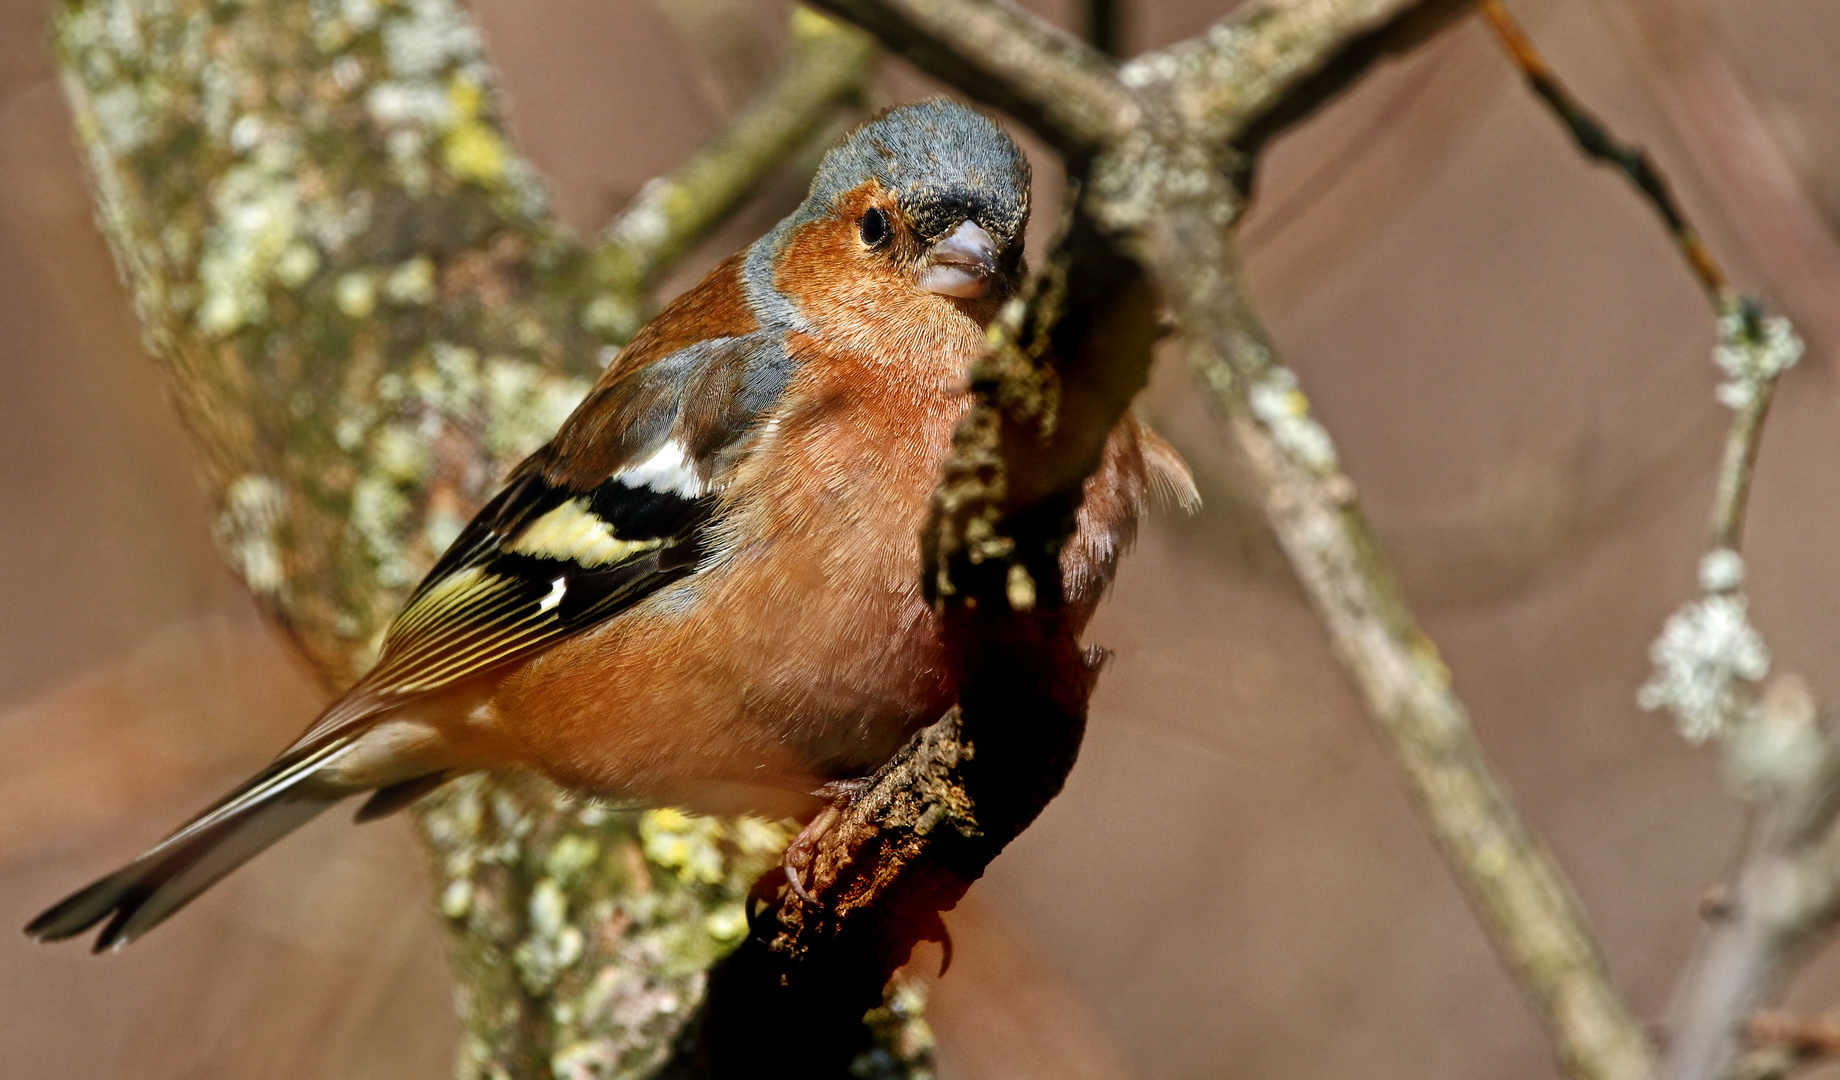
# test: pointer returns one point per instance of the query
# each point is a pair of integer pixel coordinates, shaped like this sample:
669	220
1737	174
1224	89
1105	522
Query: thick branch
1064	89
1272	63
1518	890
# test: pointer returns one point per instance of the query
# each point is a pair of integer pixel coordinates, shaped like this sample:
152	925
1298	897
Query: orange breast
802	651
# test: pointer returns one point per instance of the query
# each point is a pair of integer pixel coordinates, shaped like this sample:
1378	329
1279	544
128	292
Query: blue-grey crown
944	161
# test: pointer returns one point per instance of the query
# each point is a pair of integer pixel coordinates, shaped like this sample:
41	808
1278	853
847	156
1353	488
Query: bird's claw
795	878
803	851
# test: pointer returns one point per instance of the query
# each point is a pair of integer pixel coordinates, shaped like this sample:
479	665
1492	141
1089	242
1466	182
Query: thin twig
1738	155
1600	144
826	68
1738	462
1784	890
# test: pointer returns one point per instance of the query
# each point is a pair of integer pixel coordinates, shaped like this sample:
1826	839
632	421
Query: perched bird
704	591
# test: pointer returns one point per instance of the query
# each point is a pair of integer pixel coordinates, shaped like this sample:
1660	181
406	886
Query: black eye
874	227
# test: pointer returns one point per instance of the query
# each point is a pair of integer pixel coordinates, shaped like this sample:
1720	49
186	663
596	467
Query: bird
705	590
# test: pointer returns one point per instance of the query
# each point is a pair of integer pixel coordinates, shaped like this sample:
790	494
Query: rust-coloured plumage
705	590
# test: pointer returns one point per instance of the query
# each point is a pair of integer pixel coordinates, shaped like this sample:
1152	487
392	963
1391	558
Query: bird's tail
142	894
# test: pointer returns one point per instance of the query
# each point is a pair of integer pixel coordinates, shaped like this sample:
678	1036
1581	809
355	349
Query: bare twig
1744	330
1782	1042
1705	101
1786	891
1710	664
1743	326
1600	144
1807	1036
825	69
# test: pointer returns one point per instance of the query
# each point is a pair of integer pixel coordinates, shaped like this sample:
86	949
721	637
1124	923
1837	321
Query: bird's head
923	205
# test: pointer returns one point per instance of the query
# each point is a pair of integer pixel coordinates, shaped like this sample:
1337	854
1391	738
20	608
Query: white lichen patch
1721	570
1780	751
1708	662
399	454
412	283
247	526
122	119
457	899
1751	360
571	857
423	38
647	221
251	239
1280	404
441	529
378	508
355	294
553	944
614	315
690	846
525	404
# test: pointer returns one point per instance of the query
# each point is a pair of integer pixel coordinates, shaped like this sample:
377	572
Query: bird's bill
963	264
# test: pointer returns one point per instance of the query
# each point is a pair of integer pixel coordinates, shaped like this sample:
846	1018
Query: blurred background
1517	369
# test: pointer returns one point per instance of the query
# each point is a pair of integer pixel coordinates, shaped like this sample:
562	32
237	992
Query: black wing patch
545	558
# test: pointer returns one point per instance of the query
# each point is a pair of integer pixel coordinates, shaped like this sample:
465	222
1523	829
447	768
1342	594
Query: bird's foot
804	847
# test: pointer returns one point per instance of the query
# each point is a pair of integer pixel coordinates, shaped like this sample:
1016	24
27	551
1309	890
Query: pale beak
961	265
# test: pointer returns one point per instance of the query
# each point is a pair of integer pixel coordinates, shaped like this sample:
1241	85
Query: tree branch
1710	662
826	69
1705	101
1599	144
1518	890
1063	88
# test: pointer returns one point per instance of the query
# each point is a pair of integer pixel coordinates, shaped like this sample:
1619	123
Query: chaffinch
705	590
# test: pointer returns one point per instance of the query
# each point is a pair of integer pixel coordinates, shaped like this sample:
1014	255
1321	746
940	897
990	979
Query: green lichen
902	1041
610	919
254	507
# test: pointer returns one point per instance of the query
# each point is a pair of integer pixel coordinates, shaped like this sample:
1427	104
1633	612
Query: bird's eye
874	227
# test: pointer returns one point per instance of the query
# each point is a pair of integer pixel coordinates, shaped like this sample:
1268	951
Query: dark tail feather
391	798
145	892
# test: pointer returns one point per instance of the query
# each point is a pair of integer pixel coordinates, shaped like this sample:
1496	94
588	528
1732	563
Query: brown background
1515	366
